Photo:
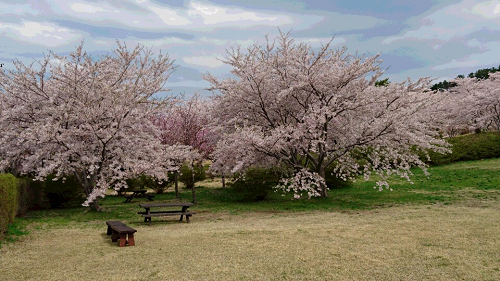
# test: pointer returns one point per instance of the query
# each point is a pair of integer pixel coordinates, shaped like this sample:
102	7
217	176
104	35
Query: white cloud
458	63
162	42
208	61
169	16
316	42
86	8
219	42
17	9
488	10
453	21
213	15
475	60
227	42
45	34
154	16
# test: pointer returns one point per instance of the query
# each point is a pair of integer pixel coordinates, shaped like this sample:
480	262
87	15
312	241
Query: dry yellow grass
401	243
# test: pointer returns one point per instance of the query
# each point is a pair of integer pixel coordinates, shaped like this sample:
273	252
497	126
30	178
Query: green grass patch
13	233
473	180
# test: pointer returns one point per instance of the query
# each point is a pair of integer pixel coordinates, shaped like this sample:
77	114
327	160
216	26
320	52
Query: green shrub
158	188
257	183
8	200
186	175
469	147
333	182
61	192
145	181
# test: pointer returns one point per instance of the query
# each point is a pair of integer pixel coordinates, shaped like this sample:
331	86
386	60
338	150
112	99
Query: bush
333	182
158	188
469	147
144	181
61	192
257	183
8	200
186	175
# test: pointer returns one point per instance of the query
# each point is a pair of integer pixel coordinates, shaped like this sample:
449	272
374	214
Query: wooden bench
119	230
148	214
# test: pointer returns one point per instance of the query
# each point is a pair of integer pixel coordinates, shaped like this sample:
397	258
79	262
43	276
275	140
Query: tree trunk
223	181
192	187
88	185
176	179
95	206
323	186
194	195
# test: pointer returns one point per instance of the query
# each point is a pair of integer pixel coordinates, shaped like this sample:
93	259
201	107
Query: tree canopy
85	116
479	74
308	110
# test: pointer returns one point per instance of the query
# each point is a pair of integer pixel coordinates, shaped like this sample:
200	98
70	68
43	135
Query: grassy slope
470	147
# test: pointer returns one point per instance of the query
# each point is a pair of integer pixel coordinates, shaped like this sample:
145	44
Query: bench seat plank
161	214
149	205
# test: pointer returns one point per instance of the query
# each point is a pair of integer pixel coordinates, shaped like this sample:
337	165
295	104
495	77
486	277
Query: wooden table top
149	205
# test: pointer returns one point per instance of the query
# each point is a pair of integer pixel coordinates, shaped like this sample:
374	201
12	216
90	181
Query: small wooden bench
119	230
148	214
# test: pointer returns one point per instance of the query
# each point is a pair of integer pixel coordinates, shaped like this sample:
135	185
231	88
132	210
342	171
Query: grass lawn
445	227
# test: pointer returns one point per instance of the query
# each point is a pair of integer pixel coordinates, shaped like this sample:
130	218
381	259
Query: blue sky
416	38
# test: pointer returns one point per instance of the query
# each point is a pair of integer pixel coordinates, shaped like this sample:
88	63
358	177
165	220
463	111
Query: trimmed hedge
8	200
469	147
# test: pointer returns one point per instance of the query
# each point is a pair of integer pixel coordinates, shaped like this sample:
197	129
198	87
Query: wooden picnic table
138	193
147	214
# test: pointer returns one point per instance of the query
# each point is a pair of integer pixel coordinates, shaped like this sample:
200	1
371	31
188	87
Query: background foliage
8	201
257	183
186	175
469	147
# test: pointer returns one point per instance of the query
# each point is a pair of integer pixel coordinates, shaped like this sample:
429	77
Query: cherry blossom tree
476	102
287	104
88	117
186	123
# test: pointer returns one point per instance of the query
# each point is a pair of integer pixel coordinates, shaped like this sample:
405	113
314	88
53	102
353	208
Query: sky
416	38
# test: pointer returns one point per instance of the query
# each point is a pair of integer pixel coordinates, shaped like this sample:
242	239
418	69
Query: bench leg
114	236
123	239
184	208
187	218
109	231
131	241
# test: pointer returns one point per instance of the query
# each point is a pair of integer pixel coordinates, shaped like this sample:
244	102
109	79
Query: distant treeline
480	74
